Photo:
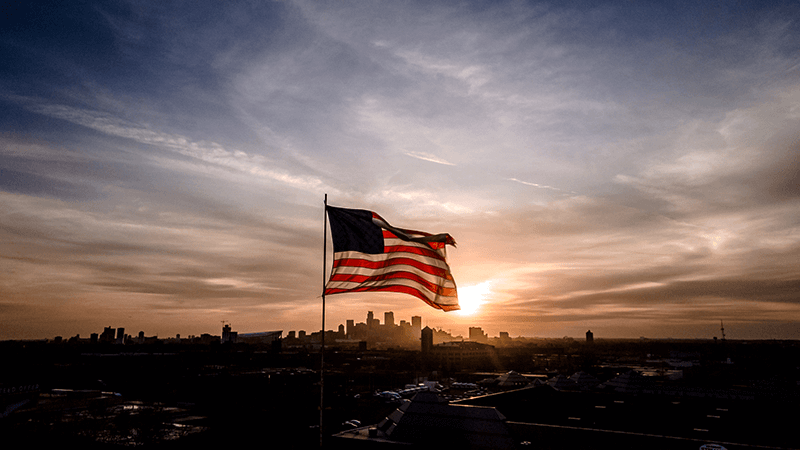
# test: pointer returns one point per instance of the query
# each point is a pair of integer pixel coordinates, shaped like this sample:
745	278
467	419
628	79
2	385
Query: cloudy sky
626	167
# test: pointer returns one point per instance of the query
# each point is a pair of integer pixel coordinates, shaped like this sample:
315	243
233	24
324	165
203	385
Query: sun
471	298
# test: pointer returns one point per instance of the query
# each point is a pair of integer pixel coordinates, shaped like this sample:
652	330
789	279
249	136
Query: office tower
372	322
228	335
427	339
108	335
416	325
476	334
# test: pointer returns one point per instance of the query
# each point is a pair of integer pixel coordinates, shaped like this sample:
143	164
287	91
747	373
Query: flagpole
322	346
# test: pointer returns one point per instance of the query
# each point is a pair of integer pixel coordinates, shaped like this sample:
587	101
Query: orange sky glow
628	169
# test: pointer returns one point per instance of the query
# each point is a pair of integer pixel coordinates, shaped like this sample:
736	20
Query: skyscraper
476	334
427	339
416	325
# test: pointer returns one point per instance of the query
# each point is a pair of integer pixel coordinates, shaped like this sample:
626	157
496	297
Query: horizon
632	169
454	334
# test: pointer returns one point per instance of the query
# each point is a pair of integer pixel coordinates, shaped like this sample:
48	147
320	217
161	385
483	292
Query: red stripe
434	245
393	288
354	262
416	250
437	245
412	233
433	287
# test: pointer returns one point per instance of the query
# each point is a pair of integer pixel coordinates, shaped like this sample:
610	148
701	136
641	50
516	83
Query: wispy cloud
210	152
429	158
528	183
610	166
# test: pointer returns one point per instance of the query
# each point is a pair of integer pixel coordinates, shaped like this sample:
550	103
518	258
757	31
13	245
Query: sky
629	168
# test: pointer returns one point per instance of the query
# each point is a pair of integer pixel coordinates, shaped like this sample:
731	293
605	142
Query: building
431	422
107	336
427	340
416	324
264	337
476	334
372	322
462	354
228	335
552	419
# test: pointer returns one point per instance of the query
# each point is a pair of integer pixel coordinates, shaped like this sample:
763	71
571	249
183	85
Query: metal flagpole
322	347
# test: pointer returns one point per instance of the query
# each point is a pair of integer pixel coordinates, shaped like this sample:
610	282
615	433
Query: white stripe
438	299
394	241
366	271
427	260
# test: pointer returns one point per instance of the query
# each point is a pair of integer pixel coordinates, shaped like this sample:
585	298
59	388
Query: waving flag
371	255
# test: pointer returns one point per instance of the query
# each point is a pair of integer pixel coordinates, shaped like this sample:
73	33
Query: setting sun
470	298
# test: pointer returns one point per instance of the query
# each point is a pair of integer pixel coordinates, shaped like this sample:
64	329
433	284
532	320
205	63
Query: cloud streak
627	168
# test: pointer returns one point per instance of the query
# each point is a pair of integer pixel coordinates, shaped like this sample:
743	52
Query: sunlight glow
470	298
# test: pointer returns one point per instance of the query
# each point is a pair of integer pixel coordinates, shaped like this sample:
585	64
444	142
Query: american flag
371	255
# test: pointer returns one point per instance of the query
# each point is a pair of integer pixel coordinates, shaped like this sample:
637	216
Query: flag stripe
415	250
415	234
430	261
373	280
395	287
416	247
445	280
422	290
389	262
359	278
426	246
401	289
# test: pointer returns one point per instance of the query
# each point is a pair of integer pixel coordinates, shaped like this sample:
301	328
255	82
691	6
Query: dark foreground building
431	422
544	418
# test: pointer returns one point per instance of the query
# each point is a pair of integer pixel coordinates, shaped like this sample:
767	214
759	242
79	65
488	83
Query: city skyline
626	168
352	329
